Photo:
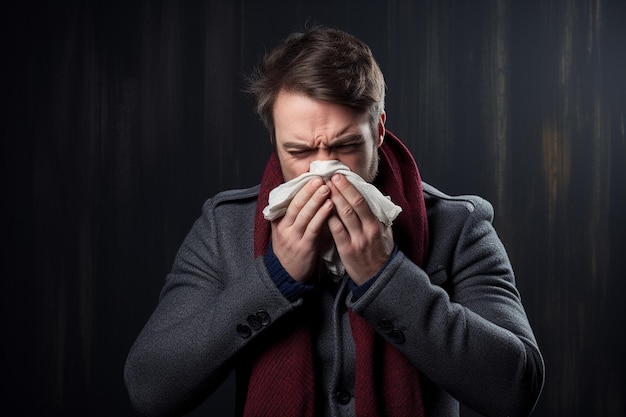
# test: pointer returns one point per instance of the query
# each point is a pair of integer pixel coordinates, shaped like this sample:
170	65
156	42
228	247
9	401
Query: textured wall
121	118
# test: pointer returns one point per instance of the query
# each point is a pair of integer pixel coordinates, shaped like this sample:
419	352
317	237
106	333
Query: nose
325	154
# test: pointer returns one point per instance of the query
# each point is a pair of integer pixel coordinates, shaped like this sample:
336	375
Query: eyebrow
348	139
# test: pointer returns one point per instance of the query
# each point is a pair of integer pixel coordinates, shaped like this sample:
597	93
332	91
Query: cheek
364	164
294	168
356	163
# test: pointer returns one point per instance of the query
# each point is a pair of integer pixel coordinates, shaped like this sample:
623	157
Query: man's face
307	130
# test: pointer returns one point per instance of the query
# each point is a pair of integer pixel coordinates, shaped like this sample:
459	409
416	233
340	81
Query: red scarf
282	380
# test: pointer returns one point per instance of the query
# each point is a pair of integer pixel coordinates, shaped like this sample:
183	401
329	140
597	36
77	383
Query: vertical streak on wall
577	168
436	118
556	167
570	313
556	135
495	107
557	155
601	155
94	119
77	126
218	91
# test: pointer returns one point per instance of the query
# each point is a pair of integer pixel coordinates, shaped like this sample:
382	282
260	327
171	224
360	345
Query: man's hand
296	237
363	242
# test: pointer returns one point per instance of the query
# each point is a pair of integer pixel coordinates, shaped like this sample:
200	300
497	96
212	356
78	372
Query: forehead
298	114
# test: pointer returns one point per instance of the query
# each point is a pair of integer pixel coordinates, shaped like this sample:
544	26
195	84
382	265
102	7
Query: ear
381	128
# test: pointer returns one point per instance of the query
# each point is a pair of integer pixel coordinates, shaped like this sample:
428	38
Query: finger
301	198
353	197
346	212
317	223
311	211
338	231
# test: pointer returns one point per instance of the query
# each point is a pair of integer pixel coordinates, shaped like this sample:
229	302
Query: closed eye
299	152
347	148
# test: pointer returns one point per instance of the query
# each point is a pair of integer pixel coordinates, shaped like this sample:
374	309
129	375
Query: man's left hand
364	243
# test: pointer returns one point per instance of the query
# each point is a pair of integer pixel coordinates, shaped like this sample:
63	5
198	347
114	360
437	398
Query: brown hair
324	64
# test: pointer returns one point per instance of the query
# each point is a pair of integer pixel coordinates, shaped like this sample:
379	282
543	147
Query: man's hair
324	64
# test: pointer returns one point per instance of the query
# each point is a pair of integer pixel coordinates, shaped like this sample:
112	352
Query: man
405	319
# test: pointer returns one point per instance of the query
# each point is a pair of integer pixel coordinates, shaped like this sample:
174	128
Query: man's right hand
296	237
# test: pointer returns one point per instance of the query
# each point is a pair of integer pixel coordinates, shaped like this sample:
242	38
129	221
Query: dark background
120	118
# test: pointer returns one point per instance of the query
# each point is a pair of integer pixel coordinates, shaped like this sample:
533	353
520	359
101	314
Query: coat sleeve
463	326
205	316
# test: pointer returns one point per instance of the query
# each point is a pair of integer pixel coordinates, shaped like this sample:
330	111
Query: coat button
244	331
385	326
254	321
343	397
397	336
264	316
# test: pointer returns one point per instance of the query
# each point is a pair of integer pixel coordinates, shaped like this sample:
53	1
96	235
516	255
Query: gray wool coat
459	320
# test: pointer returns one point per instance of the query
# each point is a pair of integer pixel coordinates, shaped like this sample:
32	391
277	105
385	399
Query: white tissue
281	196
